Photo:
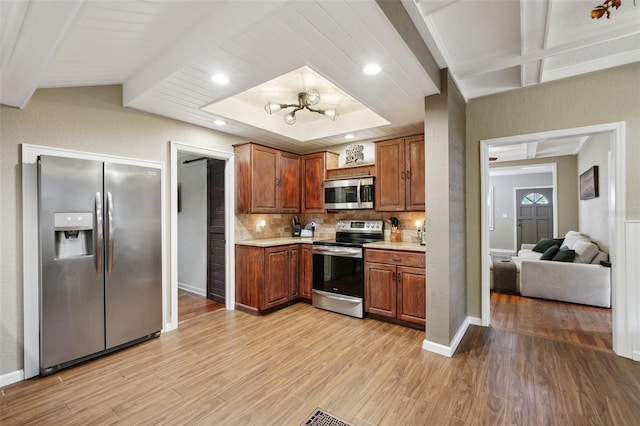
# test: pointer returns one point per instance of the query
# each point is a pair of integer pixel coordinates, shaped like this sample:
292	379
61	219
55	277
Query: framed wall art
589	184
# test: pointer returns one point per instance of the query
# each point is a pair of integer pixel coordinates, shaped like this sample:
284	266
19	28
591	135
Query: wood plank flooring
230	368
565	322
191	305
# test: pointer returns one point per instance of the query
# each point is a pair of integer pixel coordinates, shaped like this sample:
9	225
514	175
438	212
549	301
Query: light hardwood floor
230	368
191	305
565	322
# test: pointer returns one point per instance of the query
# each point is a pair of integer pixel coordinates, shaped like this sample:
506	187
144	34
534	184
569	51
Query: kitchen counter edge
393	245
274	242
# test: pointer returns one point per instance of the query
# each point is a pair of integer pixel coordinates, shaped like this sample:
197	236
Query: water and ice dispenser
74	234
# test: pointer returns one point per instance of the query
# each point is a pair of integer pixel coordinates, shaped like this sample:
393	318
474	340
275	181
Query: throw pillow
543	245
571	237
585	251
550	253
564	255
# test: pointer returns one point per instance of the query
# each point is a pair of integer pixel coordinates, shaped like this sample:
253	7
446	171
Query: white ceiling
164	52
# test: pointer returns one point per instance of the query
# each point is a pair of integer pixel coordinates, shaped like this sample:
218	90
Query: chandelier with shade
305	101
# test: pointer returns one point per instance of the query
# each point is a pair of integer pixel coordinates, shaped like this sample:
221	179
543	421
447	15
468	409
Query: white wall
192	226
593	214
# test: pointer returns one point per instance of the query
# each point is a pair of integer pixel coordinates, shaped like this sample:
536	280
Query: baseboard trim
448	351
11	378
192	289
636	356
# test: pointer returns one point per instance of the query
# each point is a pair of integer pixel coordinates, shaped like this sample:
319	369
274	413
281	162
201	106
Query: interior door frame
515	209
229	189
623	295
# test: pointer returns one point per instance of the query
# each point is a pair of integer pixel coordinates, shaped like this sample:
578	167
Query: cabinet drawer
395	257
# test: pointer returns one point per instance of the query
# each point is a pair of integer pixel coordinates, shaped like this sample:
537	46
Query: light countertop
393	245
273	242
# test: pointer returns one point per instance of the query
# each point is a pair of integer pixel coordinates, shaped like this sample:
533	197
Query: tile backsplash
280	225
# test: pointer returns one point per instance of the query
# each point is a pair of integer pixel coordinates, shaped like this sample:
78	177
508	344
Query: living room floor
587	326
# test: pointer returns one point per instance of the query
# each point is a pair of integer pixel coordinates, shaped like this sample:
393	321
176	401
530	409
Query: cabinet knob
397	258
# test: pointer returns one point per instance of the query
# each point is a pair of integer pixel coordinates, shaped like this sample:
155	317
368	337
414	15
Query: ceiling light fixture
349	136
371	69
219	122
220	79
305	100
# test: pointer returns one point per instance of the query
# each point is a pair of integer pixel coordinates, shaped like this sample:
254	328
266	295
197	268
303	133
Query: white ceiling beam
534	22
532	150
40	33
487	65
230	19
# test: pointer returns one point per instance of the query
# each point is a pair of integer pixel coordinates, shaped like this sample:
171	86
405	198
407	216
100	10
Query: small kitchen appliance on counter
295	227
338	267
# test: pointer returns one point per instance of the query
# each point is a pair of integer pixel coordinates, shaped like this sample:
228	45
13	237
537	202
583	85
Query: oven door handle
342	299
358	197
338	253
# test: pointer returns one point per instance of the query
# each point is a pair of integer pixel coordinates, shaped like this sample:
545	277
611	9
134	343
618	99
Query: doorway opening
202	193
613	134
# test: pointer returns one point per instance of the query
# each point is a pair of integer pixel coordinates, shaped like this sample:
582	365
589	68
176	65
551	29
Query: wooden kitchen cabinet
400	174
266	277
306	271
267	180
314	172
395	285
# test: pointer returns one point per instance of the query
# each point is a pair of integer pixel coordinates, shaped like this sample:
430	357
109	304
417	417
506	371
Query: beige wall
607	96
567	177
83	119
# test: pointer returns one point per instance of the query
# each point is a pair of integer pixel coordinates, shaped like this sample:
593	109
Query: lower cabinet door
276	289
411	294
380	289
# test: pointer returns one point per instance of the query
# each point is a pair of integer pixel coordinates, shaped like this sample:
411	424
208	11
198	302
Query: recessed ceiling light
371	69
349	136
220	79
219	122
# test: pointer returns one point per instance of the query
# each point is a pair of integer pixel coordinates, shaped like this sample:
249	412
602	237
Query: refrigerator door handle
99	240
110	229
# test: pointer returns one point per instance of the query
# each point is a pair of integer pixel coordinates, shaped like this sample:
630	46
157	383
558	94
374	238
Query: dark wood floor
230	368
564	322
191	305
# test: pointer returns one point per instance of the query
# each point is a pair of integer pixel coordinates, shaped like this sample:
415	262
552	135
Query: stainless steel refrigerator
100	258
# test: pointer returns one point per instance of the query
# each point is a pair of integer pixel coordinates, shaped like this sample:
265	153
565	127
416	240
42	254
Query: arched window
534	198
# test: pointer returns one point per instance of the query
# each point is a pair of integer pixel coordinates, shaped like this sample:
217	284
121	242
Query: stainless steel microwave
353	193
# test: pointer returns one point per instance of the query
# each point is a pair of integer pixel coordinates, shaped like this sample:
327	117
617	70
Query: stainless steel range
338	267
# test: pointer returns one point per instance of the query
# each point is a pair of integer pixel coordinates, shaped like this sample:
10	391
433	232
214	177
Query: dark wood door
534	219
306	270
380	289
216	241
288	184
390	174
414	174
411	294
264	179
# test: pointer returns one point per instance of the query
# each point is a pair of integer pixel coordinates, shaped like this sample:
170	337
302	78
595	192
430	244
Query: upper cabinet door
267	180
264	180
314	172
415	192
288	184
390	175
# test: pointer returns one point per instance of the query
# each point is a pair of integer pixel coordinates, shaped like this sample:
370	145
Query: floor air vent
322	418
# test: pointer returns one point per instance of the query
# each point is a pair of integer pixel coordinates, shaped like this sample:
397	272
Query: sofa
568	270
